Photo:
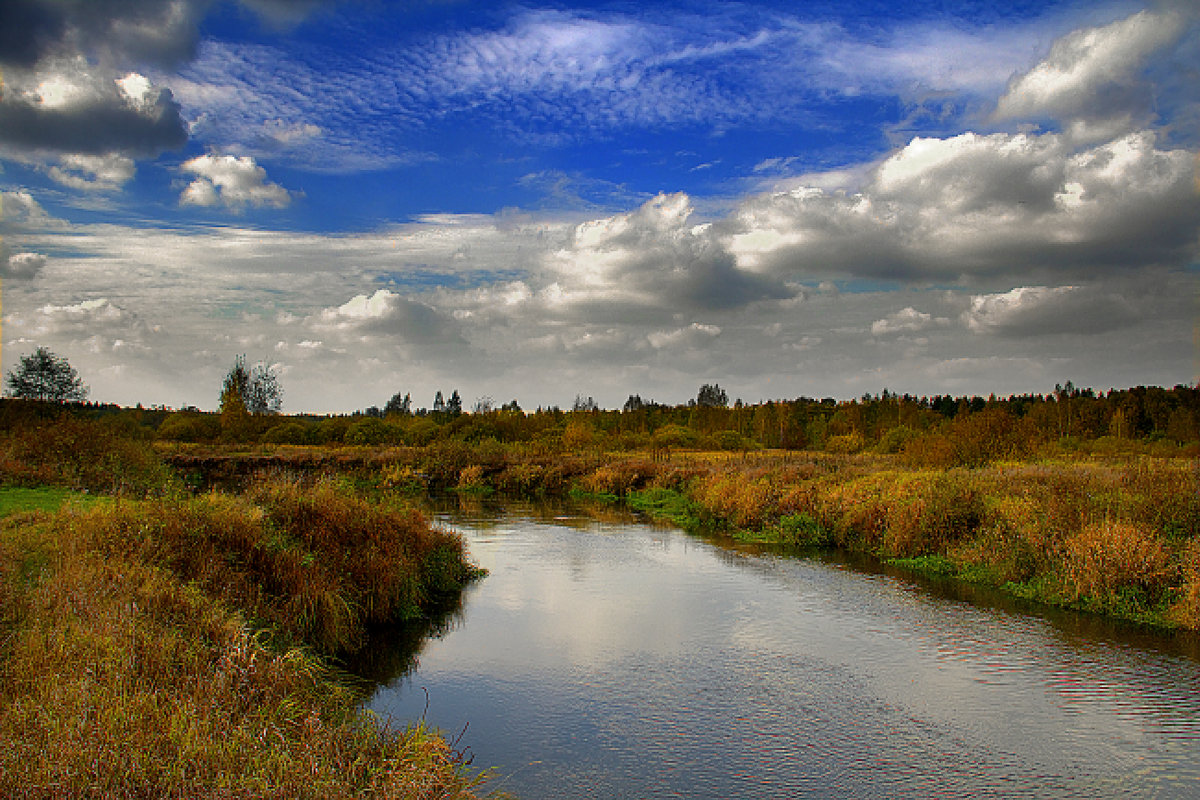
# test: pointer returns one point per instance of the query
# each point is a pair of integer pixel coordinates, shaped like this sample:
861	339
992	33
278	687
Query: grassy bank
1120	538
1116	534
171	647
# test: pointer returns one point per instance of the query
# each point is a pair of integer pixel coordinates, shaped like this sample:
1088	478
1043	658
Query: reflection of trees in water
391	652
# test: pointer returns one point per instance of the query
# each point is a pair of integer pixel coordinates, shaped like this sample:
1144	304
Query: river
617	659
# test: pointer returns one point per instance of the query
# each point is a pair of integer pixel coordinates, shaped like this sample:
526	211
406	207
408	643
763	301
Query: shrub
83	455
845	443
619	478
285	433
190	426
472	479
1107	558
122	678
675	436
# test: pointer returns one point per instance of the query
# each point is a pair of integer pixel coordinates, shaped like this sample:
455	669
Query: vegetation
45	376
158	644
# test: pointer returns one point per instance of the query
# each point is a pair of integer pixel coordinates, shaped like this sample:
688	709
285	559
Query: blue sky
534	201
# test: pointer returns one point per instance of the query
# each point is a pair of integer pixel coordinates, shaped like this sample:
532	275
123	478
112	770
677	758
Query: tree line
251	397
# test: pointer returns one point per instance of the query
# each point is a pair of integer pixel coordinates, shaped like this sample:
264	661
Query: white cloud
693	335
69	105
653	257
1034	311
387	314
232	182
907	320
22	266
973	206
1091	77
20	208
94	173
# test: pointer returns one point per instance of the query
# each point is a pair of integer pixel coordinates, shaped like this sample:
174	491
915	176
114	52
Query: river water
616	659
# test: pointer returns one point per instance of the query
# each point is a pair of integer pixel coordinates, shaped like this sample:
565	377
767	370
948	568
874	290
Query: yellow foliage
1105	557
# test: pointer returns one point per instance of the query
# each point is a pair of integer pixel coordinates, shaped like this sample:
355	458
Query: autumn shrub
1013	541
190	426
472	479
82	454
931	450
895	439
855	511
675	436
1165	494
846	443
1185	611
521	479
285	433
313	562
402	478
929	512
619	477
1106	560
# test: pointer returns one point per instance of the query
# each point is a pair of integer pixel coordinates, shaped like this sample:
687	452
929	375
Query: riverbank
1109	532
176	647
1119	538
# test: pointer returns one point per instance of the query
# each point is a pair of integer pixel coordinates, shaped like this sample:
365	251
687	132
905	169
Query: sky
536	201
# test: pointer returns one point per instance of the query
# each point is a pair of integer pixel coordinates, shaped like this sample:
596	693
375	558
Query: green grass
42	498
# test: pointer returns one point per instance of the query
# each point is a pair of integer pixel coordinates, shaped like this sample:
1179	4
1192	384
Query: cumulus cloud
907	320
654	256
69	108
22	266
1092	77
163	32
389	314
19	208
972	205
98	325
233	182
68	85
1032	311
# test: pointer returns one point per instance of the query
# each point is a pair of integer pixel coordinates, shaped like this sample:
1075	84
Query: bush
286	433
81	454
190	426
1107	559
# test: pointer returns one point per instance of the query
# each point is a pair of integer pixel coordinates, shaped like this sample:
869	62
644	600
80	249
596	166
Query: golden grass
129	666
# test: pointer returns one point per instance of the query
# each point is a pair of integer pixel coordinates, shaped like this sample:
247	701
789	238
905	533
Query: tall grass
168	648
1117	537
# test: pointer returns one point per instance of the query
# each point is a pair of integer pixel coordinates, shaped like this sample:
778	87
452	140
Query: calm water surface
621	660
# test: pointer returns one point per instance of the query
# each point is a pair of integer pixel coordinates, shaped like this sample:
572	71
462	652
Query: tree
45	376
713	396
399	404
256	390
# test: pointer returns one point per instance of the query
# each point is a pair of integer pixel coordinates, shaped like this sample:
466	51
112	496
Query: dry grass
1118	537
130	665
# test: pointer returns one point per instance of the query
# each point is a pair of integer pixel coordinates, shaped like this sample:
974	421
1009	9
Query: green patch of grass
42	498
937	566
665	504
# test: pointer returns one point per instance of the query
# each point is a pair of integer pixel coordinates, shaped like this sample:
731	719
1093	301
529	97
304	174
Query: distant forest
935	430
